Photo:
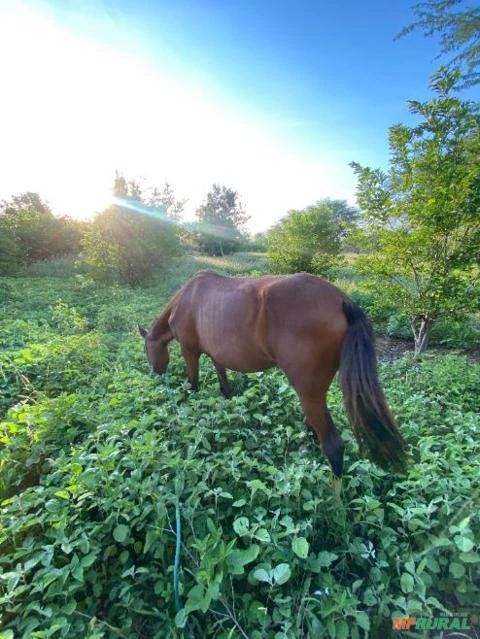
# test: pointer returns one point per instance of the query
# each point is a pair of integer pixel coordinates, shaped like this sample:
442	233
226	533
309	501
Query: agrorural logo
454	624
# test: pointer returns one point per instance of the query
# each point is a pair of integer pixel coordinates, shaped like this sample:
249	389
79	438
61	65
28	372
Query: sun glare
80	110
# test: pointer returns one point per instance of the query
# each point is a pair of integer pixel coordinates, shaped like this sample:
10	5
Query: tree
343	216
120	186
459	33
31	232
422	216
221	221
165	200
305	240
129	240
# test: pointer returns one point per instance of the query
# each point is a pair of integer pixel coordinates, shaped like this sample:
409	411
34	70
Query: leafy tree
306	240
31	232
258	242
422	215
129	240
221	222
459	32
120	186
165	200
344	216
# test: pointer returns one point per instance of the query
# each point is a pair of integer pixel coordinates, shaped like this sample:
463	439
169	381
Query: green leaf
181	618
341	629
463	543
120	532
410	566
421	566
262	534
88	560
300	547
6	634
67	608
326	558
198	599
281	574
77	572
457	570
262	575
240	558
407	582
241	526
470	557
363	621
63	494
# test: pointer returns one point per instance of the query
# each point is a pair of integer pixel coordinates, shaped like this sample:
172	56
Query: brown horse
300	323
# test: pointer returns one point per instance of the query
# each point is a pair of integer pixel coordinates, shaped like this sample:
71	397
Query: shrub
29	232
126	246
306	241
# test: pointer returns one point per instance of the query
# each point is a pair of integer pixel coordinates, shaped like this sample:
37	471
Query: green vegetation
310	240
127	246
133	238
132	508
221	222
98	456
29	232
458	25
421	224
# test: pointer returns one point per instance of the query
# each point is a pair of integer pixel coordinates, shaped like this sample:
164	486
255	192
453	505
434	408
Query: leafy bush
116	319
127	246
65	266
306	241
30	232
398	326
221	222
67	319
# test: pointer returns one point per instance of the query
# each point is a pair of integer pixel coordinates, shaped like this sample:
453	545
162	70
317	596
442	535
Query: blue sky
272	98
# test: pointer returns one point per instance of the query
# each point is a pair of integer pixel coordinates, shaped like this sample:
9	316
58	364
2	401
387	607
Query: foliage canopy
29	232
130	239
307	240
221	222
459	29
422	222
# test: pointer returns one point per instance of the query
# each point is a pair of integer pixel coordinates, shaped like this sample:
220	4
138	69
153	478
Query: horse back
223	317
252	323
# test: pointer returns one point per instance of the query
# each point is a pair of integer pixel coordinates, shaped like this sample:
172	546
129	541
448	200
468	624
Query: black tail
370	417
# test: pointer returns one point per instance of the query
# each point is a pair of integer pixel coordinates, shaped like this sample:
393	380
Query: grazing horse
300	323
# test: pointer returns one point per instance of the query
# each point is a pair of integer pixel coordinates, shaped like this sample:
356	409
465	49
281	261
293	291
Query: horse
300	323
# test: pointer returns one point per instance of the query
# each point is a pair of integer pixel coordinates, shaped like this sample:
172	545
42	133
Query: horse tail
368	412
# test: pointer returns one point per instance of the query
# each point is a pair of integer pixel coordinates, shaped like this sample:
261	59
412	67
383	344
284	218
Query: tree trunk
422	334
221	249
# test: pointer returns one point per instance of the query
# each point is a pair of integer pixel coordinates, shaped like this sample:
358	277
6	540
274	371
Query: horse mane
160	326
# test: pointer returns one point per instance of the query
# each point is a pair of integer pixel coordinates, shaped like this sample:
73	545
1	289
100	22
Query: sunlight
83	110
138	207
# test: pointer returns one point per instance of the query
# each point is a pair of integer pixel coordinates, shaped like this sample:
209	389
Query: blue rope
176	565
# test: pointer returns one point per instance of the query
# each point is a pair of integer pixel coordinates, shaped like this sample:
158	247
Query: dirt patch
390	348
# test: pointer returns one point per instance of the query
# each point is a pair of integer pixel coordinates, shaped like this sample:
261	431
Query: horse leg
191	360
318	418
224	383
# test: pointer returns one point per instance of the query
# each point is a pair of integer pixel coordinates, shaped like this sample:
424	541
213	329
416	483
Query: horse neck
161	327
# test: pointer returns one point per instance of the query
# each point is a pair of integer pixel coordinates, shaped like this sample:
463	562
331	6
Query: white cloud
75	110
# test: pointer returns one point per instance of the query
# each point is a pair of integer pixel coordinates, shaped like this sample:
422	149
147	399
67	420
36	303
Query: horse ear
143	332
